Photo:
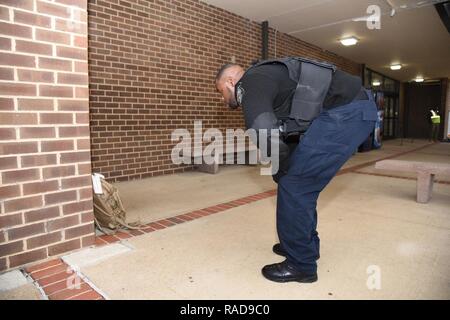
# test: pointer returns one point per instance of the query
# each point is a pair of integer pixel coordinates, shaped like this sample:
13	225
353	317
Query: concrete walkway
376	241
366	223
166	196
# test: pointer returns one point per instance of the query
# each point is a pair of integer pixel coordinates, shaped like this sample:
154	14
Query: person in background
435	120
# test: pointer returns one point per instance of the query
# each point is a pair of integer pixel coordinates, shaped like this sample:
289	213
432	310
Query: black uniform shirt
265	94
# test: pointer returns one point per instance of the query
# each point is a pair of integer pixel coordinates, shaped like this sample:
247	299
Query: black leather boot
284	272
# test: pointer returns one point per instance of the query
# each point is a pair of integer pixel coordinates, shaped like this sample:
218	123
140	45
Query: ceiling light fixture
376	83
396	66
350	41
418	79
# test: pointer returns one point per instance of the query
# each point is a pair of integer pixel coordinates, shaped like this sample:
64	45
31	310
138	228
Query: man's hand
276	177
285	163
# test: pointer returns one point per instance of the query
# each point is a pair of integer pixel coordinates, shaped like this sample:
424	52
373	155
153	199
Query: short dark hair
224	68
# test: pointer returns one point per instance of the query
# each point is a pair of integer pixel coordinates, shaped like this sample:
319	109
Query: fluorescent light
376	83
418	79
349	41
397	66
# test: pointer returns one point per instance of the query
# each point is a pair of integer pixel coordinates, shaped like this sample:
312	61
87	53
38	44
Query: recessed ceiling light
376	83
419	79
350	41
396	66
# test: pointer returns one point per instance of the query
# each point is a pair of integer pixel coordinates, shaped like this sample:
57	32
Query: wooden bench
220	158
425	174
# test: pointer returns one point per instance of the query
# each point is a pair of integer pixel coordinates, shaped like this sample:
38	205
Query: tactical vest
313	80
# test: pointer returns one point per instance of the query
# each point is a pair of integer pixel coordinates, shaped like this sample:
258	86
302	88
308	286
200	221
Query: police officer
323	115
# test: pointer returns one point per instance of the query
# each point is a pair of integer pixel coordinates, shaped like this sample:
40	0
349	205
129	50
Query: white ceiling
414	36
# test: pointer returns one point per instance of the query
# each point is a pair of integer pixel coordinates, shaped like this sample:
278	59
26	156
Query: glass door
390	116
388	90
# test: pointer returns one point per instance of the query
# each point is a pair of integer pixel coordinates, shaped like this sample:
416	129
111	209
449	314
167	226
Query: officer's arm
259	93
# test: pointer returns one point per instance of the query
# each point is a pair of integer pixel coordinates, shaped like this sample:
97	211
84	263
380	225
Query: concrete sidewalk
365	222
376	241
166	196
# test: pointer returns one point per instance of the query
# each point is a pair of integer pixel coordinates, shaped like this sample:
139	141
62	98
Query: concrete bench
220	158
425	174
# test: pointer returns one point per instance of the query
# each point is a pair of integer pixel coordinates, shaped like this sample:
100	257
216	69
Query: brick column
45	166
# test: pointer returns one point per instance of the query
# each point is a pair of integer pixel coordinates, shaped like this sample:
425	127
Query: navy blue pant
329	142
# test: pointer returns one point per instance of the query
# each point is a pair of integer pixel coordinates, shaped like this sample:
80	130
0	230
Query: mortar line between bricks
369	163
54	284
88	282
247	199
35	284
76	272
72	295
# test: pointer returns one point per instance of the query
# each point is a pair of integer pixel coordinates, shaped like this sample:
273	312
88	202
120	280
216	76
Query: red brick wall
152	66
45	188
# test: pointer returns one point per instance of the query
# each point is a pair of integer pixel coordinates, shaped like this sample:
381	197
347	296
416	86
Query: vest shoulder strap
312	87
313	80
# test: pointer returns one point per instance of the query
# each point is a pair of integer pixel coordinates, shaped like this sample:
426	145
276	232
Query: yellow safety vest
435	118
